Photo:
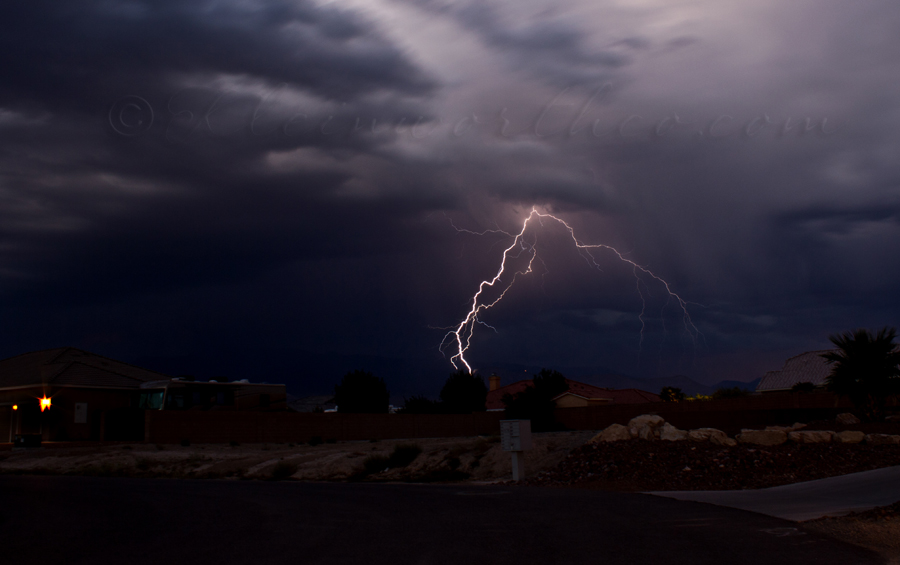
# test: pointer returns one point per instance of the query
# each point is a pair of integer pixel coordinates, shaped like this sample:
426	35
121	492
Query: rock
762	437
882	439
712	435
848	437
646	426
669	432
892	418
846	419
798	426
615	432
784	429
810	437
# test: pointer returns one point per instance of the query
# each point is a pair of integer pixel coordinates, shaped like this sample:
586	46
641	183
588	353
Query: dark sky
285	191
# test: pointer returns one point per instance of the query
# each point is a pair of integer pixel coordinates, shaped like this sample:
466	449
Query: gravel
642	465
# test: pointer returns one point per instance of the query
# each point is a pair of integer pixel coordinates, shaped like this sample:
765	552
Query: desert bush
734	392
374	464
403	455
803	387
283	470
671	394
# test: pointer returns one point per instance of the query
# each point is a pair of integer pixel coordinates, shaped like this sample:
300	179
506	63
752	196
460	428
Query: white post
518	465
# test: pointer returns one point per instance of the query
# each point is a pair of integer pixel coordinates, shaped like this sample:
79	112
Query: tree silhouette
361	392
535	403
463	393
671	394
865	369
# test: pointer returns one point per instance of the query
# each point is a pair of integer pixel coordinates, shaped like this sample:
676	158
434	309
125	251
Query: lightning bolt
460	336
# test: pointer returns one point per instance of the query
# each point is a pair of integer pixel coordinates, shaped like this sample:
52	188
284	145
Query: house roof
310	403
71	366
807	367
618	396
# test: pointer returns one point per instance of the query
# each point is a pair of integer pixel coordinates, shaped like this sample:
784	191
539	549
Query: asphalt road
75	520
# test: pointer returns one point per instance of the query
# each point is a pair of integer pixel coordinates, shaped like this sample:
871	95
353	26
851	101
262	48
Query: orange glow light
15	406
45	403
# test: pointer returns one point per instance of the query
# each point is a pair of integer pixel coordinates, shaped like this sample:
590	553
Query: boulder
846	419
669	432
616	432
892	418
784	429
646	426
712	435
798	426
762	437
882	439
811	437
848	437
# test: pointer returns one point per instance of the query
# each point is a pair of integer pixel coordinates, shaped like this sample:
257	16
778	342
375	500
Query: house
321	403
809	367
578	395
68	394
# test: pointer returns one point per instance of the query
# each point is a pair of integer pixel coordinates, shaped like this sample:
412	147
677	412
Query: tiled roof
807	367
618	396
70	366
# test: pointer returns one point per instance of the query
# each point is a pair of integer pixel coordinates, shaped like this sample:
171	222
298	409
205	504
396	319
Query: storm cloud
288	190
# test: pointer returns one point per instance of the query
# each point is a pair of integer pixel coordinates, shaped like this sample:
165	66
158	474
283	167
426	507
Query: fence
162	426
730	415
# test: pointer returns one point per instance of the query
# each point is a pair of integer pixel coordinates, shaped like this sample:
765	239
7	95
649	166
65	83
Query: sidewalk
834	496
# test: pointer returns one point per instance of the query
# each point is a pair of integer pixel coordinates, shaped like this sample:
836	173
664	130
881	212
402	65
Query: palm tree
866	368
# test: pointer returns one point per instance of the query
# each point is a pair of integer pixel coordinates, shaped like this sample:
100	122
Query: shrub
535	403
803	387
420	405
734	392
374	464
282	470
403	455
361	392
464	393
671	394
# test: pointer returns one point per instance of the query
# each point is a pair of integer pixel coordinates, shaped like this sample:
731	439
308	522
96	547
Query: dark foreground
73	520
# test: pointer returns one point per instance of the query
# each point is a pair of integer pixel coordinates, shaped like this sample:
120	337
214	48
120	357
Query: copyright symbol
130	116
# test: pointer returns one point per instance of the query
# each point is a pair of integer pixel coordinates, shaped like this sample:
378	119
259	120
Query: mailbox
515	435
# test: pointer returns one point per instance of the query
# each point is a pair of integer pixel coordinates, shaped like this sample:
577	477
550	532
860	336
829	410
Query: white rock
615	432
762	437
811	437
882	439
645	426
846	419
669	432
848	437
712	435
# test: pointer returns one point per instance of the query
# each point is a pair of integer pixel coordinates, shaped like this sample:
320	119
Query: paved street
75	520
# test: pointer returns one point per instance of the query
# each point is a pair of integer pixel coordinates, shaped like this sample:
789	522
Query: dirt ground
877	529
441	459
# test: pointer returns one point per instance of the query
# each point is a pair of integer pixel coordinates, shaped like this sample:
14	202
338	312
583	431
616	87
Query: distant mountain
751	386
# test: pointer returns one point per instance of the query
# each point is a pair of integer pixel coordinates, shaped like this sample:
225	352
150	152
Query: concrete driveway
835	496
